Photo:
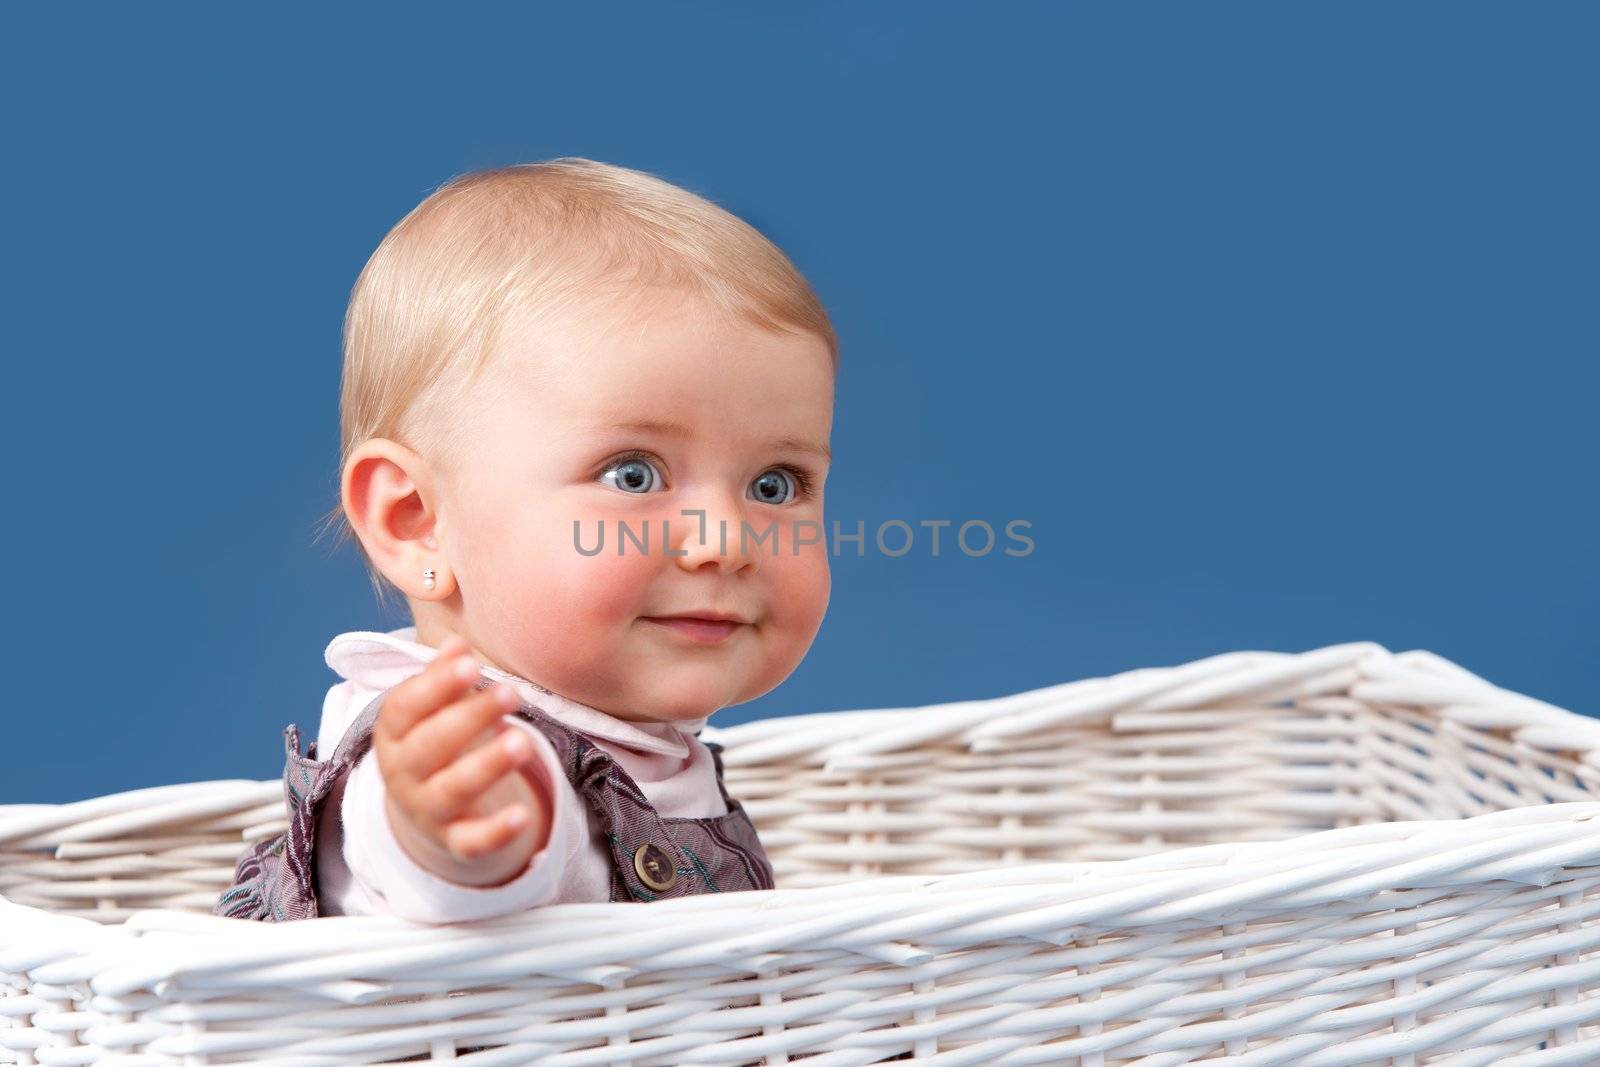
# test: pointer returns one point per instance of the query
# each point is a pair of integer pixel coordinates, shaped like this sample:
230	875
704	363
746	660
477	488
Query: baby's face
635	420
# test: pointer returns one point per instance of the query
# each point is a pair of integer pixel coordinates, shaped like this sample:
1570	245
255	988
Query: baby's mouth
709	628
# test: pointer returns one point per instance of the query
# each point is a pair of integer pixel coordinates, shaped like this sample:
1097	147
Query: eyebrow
677	429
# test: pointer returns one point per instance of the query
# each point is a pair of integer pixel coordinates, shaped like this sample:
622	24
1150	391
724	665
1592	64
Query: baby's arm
456	793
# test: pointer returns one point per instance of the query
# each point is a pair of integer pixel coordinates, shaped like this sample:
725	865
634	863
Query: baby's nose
722	537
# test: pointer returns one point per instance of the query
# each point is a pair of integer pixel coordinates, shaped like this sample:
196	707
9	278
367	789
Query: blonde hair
534	240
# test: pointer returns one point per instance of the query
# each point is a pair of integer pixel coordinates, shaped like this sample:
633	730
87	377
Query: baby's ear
388	499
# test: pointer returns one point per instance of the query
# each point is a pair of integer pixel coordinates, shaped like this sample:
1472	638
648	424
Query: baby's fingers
469	838
419	696
452	790
440	739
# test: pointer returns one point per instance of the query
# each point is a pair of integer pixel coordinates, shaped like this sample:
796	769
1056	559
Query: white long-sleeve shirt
361	868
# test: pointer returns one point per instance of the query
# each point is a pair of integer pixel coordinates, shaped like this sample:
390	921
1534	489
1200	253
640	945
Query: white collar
383	660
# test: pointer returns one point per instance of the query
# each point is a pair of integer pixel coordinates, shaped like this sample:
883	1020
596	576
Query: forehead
667	359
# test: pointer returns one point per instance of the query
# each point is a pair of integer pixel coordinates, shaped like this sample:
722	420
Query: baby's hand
455	793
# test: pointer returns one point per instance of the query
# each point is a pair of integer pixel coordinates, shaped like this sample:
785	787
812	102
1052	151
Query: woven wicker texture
1336	858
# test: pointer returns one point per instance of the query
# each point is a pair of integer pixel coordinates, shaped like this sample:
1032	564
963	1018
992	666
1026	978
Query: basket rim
900	919
1363	671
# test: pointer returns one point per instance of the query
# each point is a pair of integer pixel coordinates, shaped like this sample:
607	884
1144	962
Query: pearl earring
427	579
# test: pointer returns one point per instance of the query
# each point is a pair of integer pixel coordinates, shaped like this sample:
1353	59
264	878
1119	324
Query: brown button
654	868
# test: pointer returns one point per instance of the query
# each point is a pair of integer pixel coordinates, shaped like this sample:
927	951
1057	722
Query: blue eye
633	476
775	486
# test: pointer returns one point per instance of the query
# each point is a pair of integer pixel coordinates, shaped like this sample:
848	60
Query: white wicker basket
1341	857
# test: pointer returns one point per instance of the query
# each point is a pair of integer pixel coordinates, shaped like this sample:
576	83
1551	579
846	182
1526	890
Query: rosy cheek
800	593
611	589
561	610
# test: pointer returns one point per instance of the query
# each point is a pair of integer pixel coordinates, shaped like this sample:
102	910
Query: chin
682	710
686	700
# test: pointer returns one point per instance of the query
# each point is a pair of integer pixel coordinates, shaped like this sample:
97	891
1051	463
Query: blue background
1278	322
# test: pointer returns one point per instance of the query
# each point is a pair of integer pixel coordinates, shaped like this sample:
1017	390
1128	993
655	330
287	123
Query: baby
539	360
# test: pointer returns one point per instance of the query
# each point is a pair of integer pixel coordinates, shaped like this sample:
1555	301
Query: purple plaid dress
652	856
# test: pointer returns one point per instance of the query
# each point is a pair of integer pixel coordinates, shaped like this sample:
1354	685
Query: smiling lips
707	629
